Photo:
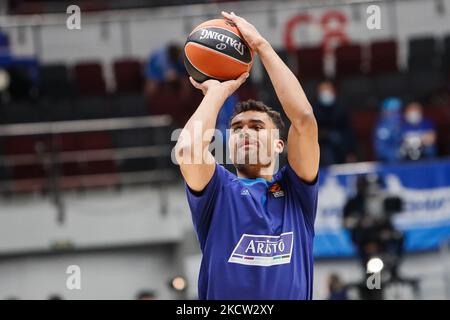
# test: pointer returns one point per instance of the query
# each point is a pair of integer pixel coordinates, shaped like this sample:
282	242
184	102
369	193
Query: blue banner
424	188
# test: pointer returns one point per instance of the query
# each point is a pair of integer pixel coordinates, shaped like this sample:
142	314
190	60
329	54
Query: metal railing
51	158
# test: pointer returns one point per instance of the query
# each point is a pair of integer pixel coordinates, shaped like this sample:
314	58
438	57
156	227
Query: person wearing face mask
418	134
387	134
335	136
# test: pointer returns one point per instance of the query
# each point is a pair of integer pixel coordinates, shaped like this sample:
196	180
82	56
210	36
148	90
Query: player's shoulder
288	175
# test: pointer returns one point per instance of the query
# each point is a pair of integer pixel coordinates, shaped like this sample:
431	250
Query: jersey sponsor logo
262	250
276	190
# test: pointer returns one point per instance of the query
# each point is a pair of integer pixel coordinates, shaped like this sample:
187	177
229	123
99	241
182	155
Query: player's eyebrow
253	121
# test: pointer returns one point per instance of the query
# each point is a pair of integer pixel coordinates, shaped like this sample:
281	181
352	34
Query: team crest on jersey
261	250
276	190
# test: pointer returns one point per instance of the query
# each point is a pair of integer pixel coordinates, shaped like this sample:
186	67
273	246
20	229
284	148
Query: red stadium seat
348	60
128	75
68	142
84	142
95	6
167	100
20	145
89	80
97	141
383	57
310	63
30	8
24	145
363	124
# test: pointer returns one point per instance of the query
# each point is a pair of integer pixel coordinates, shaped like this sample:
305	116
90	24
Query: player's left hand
248	31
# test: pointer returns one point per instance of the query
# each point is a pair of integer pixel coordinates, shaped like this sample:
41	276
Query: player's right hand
226	87
248	31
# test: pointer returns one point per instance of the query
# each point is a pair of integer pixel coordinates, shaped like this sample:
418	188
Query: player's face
254	139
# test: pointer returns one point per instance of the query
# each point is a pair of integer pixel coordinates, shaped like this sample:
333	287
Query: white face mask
413	117
326	98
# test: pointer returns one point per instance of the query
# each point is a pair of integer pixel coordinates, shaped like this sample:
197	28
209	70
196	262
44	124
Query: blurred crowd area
370	110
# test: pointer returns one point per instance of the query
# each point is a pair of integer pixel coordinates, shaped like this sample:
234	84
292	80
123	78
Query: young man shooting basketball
255	229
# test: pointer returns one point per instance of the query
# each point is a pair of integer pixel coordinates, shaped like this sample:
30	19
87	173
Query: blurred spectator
368	217
4	44
55	296
418	134
387	137
336	288
165	66
146	295
336	139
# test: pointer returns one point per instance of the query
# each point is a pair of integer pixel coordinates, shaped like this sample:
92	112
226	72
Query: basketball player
255	229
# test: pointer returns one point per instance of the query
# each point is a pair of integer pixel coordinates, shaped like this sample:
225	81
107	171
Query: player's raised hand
225	87
248	31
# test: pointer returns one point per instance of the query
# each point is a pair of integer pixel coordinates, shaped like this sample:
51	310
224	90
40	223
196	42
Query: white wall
119	274
100	223
431	268
110	219
97	219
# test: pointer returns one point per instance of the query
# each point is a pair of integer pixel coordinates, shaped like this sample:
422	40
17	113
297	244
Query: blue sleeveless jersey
256	236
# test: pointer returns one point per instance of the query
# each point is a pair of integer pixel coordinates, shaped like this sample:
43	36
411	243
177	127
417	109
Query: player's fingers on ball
244	76
226	14
231	16
237	18
194	83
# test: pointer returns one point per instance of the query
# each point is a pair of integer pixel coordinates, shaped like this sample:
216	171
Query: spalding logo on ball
216	50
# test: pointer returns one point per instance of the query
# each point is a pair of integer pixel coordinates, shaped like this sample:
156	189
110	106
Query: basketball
216	50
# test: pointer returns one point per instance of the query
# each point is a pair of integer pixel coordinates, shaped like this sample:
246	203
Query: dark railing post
54	179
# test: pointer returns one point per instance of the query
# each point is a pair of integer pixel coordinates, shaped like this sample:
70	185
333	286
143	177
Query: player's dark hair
253	105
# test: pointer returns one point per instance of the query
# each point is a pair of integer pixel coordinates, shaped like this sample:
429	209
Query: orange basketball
216	50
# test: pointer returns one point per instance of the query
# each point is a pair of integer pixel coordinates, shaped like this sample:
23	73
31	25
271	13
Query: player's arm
197	164
303	146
